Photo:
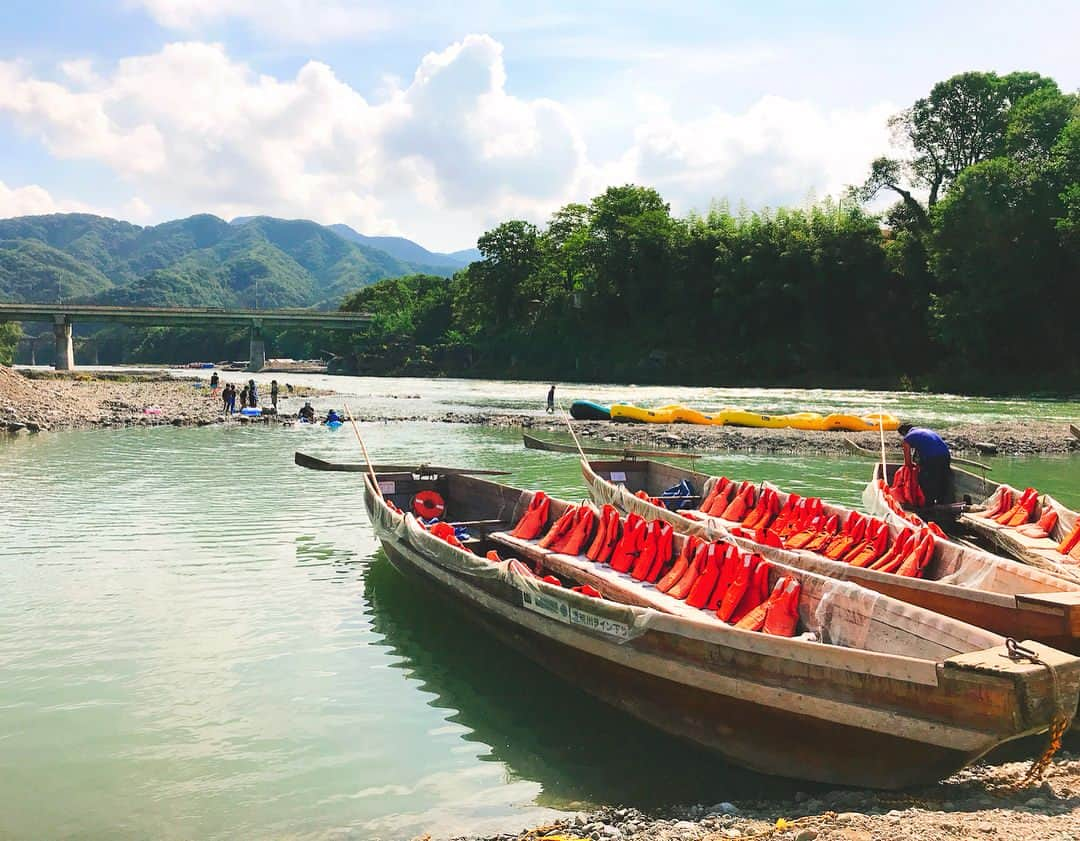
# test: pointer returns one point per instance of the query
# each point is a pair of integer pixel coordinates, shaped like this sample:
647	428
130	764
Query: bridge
62	316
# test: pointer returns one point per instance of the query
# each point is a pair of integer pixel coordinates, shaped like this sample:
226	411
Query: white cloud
305	21
439	158
777	151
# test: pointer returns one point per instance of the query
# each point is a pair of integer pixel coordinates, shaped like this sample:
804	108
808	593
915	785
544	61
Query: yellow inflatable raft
676	413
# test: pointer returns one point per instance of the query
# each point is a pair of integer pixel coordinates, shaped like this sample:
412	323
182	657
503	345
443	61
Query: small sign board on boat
556	608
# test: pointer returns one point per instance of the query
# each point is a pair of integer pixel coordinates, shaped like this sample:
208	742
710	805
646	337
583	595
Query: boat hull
1051	616
763	739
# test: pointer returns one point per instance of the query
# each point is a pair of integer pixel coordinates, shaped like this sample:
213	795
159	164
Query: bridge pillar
257	357
65	351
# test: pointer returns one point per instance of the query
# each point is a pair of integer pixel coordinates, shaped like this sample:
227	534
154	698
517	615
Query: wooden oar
533	443
313	463
363	449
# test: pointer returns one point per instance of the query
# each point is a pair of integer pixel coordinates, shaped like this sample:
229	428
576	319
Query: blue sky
435	121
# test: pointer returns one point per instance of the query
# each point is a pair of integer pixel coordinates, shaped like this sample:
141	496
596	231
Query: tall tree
961	123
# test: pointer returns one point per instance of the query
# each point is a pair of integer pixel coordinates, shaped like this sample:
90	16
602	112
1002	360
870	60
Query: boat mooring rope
1059	721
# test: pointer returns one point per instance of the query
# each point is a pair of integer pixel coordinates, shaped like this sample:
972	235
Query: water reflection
579	750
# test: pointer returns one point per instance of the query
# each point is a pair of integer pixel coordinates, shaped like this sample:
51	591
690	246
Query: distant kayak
333	425
251	412
587	410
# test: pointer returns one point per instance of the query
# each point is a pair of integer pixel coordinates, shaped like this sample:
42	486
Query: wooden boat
533	443
963	582
973	494
313	463
893	696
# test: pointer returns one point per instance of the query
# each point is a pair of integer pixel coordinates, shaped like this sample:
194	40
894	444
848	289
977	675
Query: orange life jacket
579	535
1017	508
874	545
559	529
756	593
706	582
782	617
1027	508
630	544
1071	541
755	619
740	505
586	590
719	496
1003	504
534	519
643	563
827	532
671	578
493	556
917	559
744	572
664	545
729	567
695	568
606	513
895	556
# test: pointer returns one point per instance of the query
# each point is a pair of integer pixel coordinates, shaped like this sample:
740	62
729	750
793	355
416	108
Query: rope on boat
1059	721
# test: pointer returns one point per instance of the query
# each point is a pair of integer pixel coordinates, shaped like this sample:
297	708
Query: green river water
200	640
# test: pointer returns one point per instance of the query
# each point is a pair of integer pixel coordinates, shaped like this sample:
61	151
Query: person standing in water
551	400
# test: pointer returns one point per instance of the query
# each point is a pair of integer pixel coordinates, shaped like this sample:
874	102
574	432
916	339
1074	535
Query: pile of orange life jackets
905	487
713	576
1018	513
801	523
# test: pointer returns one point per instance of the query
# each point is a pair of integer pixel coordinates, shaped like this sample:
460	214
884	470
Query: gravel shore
972	439
968	805
76	401
73	401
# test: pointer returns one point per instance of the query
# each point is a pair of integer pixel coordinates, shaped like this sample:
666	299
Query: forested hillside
201	260
198	261
971	280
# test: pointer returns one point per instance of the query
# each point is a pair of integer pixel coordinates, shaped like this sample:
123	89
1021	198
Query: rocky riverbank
75	401
971	804
971	439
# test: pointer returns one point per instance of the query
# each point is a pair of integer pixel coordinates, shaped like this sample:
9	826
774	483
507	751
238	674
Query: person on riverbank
215	381
230	401
934	460
253	394
274	391
225	399
551	400
244	397
307	413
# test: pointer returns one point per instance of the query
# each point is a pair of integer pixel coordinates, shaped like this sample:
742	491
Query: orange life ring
428	504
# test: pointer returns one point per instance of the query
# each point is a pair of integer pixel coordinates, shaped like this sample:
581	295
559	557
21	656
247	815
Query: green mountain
198	261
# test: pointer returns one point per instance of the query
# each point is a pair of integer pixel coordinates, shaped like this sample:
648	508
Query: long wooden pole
363	449
881	428
570	426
